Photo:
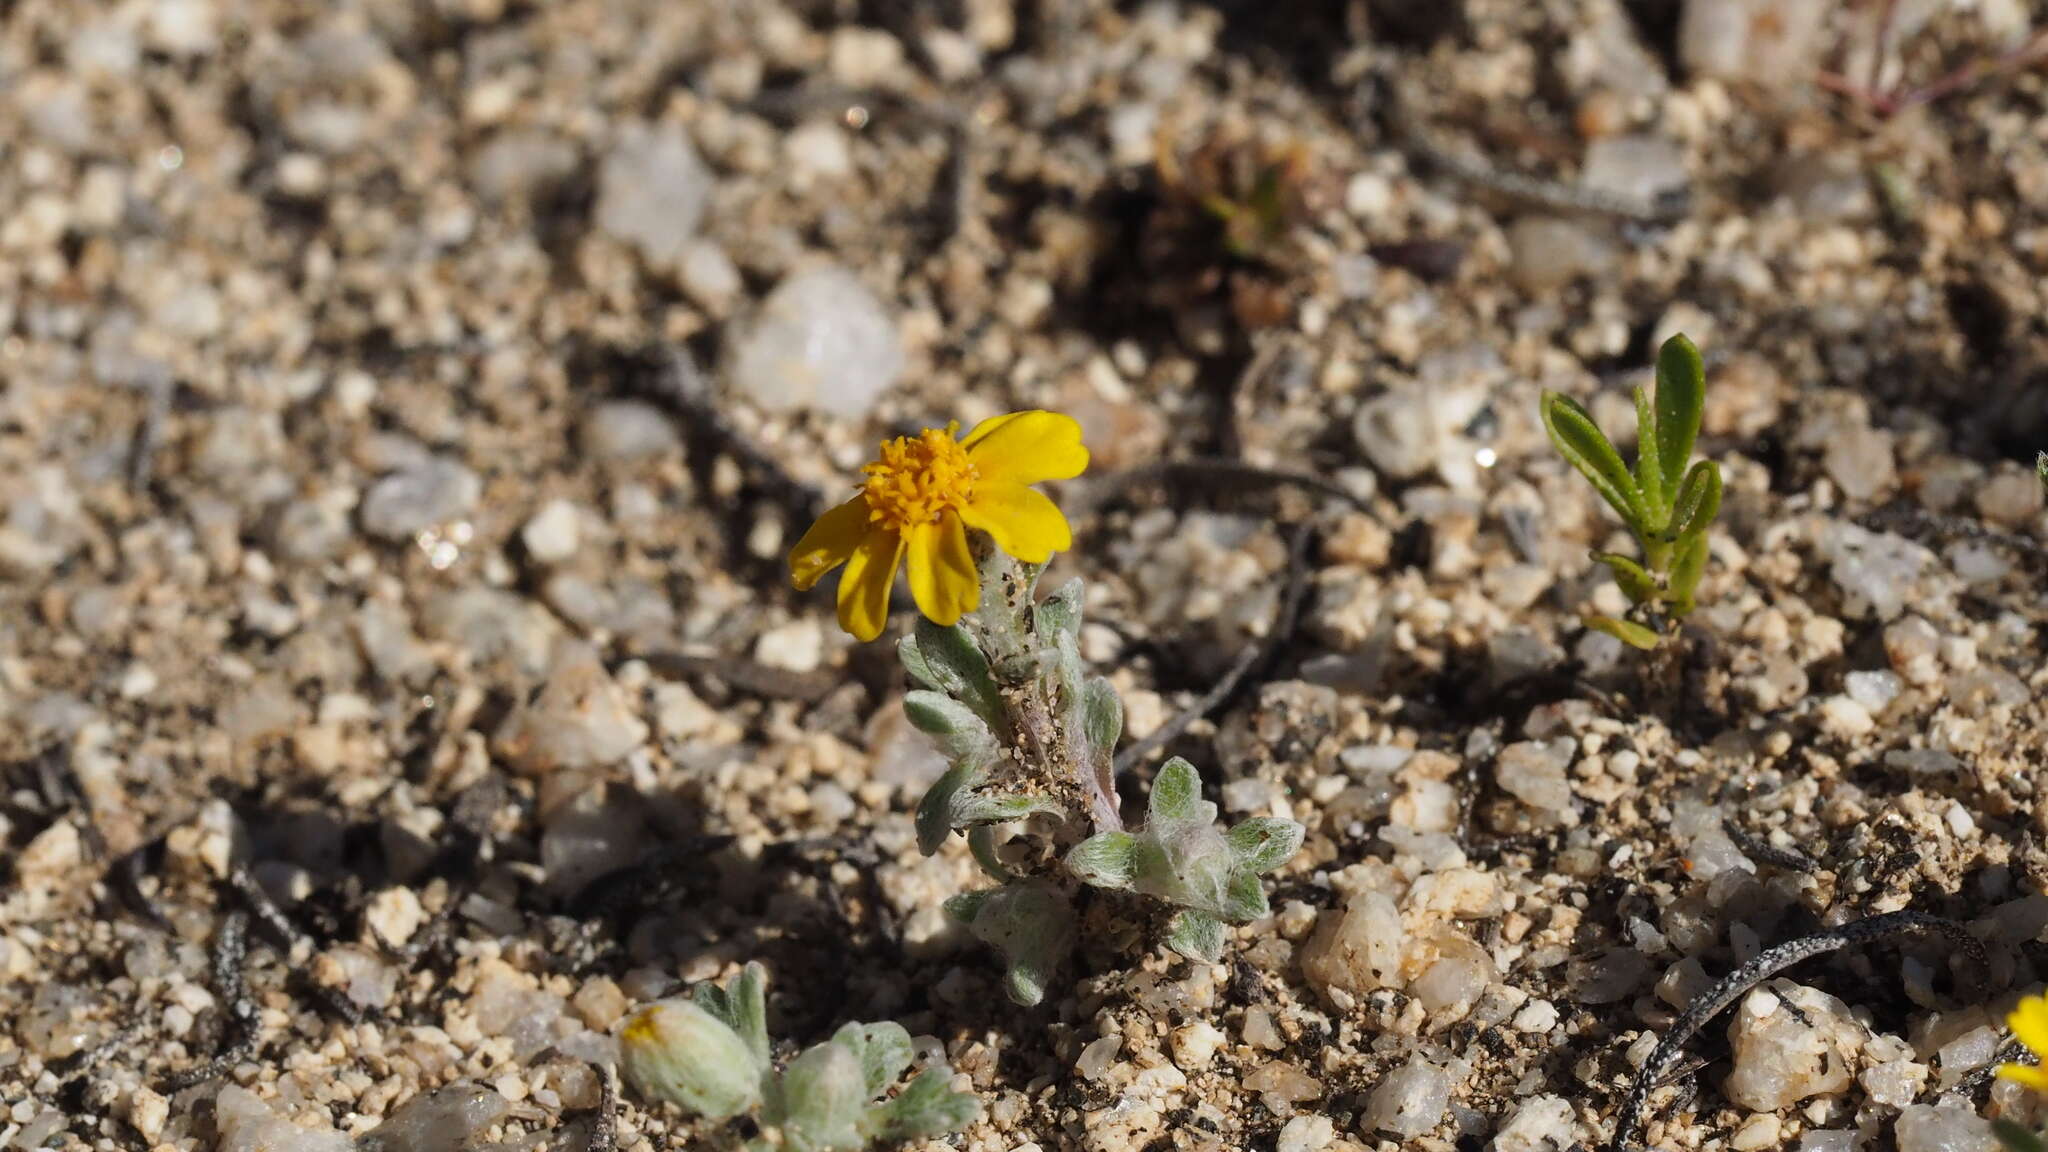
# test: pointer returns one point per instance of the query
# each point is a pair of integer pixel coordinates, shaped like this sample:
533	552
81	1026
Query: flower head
2029	1022
921	495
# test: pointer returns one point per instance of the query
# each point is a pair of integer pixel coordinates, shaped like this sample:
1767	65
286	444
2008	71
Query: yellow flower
922	495
2029	1022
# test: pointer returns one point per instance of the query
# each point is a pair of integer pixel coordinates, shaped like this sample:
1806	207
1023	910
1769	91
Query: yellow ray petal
829	542
864	589
1023	521
987	426
2030	1075
942	575
2029	1022
1027	447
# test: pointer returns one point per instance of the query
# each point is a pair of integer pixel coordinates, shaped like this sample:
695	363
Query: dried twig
1412	134
1731	987
677	381
231	991
2031	50
149	433
1916	523
243	883
604	1130
124	879
1255	654
1756	846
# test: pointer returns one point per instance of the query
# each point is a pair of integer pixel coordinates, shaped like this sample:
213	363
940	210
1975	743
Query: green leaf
1638	585
1244	897
928	1107
1586	448
935	811
1031	924
974	808
1104	860
743	1007
1061	611
1627	631
1176	790
2041	468
1264	843
883	1050
1686	569
1196	935
1650	477
965	906
819	1099
952	803
946	659
1699	500
2017	1138
981	841
1102	714
961	736
1681	397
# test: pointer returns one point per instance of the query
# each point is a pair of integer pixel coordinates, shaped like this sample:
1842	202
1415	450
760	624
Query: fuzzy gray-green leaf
961	735
935	812
1032	925
1176	789
947	659
883	1050
1104	860
819	1100
1102	714
1196	935
1264	843
1699	500
1061	611
927	1107
1681	397
974	808
743	1007
981	842
1586	448
1244	897
965	906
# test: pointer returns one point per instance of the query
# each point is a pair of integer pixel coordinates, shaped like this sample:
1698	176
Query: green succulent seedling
1667	505
710	1055
1181	857
2041	469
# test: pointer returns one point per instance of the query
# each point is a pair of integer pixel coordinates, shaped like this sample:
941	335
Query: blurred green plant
1665	504
710	1055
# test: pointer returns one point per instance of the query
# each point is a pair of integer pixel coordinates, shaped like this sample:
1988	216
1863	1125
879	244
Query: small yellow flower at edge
922	495
2029	1022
